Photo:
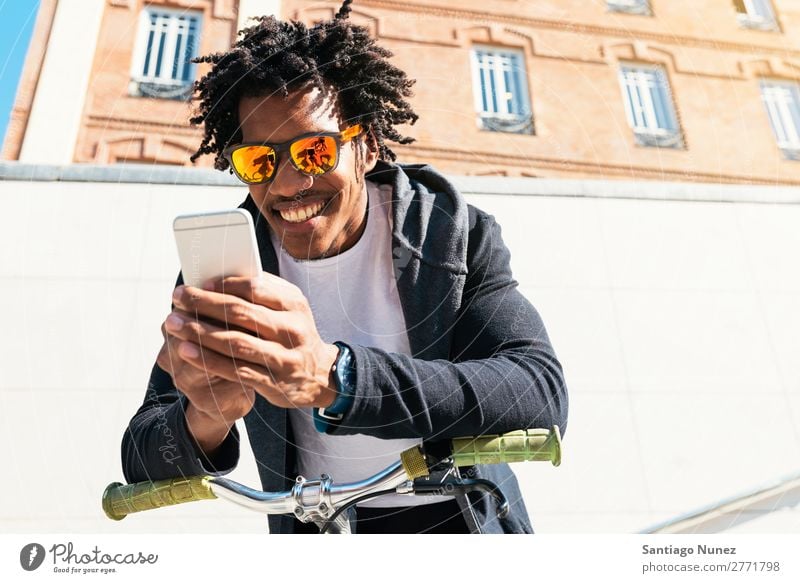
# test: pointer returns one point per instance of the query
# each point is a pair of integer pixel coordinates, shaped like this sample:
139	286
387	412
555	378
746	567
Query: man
432	338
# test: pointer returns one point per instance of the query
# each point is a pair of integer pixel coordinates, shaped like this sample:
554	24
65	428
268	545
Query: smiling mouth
301	214
301	210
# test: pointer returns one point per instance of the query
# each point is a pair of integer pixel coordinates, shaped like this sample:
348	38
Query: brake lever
426	487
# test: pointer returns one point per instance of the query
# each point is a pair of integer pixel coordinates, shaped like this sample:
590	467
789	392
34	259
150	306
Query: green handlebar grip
516	446
119	500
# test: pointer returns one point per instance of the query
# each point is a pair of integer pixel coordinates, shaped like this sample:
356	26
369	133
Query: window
782	100
756	14
630	6
648	105
166	43
500	88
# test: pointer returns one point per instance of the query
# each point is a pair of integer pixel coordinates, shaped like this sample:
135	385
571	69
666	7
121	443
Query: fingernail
177	292
189	350
174	322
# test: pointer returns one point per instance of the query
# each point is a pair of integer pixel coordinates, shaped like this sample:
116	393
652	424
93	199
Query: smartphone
216	244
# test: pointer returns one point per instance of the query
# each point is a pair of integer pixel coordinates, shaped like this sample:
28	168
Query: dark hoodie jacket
481	359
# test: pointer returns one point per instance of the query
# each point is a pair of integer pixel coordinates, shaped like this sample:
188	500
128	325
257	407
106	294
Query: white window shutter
782	101
630	6
500	90
648	106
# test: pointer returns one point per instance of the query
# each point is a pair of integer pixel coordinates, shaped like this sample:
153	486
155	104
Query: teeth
303	214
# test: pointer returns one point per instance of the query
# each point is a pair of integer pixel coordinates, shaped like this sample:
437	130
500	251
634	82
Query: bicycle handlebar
529	445
119	500
321	496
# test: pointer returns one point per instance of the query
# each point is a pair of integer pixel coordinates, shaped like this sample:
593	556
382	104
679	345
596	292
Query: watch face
330	416
344	370
343	377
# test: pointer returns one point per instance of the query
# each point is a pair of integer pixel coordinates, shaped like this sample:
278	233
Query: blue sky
17	18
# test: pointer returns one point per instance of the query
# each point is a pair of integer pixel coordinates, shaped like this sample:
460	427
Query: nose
289	180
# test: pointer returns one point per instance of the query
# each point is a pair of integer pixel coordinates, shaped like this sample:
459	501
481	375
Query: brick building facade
697	90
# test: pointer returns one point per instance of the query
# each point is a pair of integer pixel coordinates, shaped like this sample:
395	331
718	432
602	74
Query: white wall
677	324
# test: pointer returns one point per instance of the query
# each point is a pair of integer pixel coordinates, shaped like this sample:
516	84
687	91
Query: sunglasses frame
340	138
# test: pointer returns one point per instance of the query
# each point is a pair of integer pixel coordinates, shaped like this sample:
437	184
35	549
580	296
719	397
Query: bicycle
427	469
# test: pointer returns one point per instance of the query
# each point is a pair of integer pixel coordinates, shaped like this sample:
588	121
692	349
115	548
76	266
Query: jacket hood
424	204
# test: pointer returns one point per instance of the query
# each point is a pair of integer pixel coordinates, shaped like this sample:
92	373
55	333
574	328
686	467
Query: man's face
338	199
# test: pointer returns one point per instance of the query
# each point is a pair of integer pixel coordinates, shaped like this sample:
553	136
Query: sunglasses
311	154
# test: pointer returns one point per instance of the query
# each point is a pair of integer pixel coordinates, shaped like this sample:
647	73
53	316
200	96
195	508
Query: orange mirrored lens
254	163
314	155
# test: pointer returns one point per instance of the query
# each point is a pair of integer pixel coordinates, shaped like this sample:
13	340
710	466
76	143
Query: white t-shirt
354	299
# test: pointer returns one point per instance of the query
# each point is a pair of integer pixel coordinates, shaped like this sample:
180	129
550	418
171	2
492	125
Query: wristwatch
344	377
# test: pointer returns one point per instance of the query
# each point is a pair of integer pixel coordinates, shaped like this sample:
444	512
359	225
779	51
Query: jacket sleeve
157	444
502	375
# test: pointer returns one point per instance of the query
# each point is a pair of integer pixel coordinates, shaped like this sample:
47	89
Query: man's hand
242	335
214	403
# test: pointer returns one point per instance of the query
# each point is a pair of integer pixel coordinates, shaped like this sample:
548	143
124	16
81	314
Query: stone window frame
660	137
756	14
520	122
500	38
640	53
162	87
783	122
773	70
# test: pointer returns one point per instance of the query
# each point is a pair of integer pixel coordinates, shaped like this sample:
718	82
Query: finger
194	316
214	395
233	311
165	355
168	358
239	345
225	401
182	373
163	360
246	374
267	290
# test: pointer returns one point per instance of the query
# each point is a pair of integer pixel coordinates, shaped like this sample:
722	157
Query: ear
373	153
